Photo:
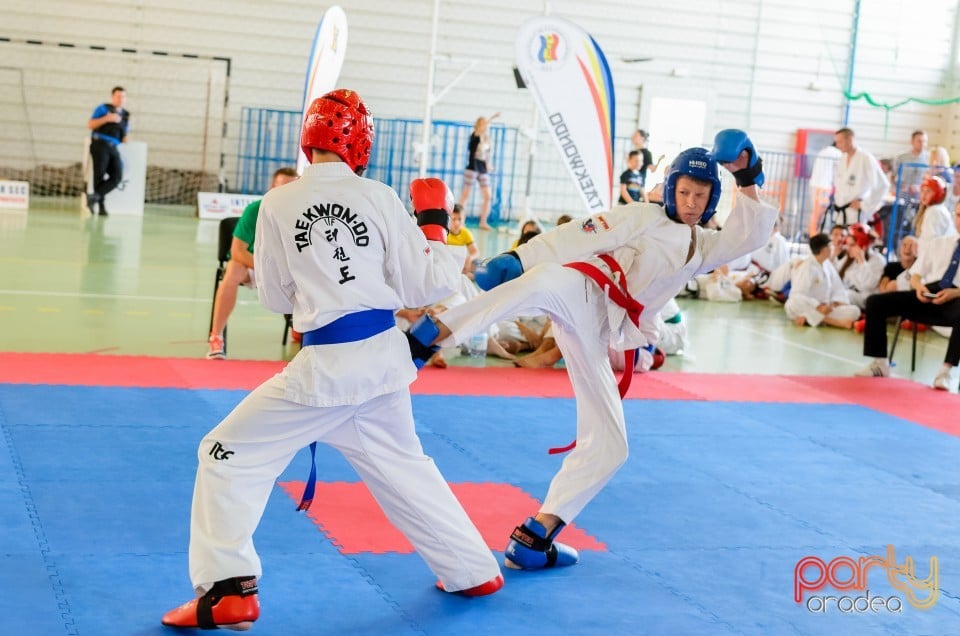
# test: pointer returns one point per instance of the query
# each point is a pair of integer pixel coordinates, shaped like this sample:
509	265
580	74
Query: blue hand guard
727	146
497	270
420	336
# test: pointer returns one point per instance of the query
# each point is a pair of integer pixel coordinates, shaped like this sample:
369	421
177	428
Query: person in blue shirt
109	124
631	183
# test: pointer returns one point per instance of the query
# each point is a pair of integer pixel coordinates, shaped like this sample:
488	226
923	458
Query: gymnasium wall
770	66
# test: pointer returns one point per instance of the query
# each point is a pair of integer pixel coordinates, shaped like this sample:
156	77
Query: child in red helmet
933	218
339	253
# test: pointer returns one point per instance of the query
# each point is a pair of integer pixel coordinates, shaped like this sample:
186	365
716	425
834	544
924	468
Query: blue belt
359	325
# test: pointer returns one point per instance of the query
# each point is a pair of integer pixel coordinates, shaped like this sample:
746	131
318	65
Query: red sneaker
483	589
231	603
860	325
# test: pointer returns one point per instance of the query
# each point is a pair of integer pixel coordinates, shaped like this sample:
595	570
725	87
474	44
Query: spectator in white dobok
817	294
859	182
863	266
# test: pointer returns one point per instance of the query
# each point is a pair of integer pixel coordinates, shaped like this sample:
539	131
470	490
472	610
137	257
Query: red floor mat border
901	398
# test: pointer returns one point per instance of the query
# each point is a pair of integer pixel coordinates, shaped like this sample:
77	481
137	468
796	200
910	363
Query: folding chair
893	345
224	241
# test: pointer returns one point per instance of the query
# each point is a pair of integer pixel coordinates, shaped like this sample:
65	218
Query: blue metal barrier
270	140
798	185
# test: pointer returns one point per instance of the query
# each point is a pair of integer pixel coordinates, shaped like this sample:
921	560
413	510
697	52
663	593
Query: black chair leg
216	285
893	345
913	358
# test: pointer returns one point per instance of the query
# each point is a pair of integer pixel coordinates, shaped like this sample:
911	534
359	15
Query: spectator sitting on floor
528	229
863	265
838	245
762	262
671	340
817	294
777	286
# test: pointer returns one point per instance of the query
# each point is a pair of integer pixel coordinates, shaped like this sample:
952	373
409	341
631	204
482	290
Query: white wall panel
770	66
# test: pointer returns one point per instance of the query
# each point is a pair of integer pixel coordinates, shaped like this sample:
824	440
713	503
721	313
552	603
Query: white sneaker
879	368
943	380
216	351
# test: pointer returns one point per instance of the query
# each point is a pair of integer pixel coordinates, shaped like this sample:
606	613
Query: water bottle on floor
477	345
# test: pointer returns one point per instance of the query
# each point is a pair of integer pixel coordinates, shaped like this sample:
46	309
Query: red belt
621	296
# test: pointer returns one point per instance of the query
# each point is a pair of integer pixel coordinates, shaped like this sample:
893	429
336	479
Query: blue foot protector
531	549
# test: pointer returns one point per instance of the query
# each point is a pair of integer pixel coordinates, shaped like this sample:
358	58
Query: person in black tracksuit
109	124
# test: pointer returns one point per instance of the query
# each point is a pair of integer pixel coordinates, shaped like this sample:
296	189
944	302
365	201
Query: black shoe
93	201
103	210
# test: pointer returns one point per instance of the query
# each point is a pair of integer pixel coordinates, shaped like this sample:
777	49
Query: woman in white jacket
933	218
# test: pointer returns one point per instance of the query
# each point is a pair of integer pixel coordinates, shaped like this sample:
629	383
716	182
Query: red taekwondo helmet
861	235
339	122
936	185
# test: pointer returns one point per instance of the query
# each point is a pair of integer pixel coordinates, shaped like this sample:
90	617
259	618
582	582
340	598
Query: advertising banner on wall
326	60
570	80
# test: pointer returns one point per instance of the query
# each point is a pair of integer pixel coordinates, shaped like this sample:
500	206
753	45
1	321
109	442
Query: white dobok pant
265	431
578	309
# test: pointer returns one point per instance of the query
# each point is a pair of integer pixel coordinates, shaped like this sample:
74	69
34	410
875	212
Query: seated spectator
838	245
778	285
458	234
863	265
933	299
896	275
933	218
239	270
528	229
564	218
816	293
762	262
718	286
671	339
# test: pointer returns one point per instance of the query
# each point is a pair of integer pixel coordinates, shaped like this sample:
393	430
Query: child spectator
631	182
460	235
817	294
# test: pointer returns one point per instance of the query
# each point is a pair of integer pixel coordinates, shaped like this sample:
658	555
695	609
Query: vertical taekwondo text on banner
569	77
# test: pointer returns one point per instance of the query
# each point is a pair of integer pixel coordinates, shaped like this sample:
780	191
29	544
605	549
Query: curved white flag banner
326	60
569	77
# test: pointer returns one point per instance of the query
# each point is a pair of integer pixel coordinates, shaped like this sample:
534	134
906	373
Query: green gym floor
126	285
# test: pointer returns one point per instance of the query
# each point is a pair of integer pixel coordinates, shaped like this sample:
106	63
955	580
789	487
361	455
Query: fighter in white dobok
597	279
341	254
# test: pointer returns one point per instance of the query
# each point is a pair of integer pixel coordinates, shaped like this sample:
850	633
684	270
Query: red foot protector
231	603
350	517
483	589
